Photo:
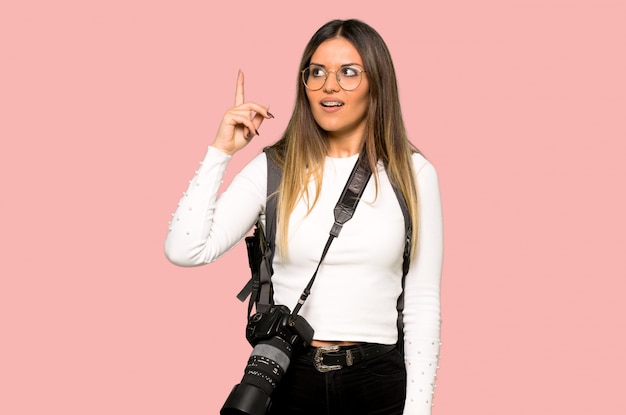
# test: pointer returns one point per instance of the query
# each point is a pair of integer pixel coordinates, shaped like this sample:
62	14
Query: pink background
107	107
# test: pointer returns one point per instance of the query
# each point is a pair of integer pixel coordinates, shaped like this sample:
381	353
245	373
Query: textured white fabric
355	293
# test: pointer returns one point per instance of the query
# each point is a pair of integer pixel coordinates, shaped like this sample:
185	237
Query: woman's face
341	113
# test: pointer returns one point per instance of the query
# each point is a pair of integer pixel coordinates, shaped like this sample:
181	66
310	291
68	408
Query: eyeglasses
348	77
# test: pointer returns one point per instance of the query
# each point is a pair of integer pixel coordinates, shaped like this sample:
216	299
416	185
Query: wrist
222	149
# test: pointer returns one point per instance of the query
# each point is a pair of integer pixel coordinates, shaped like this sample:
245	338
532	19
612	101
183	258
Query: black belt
328	358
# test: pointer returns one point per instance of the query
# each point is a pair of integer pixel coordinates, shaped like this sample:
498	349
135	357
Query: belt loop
349	358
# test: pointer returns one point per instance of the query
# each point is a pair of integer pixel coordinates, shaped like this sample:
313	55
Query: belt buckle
318	359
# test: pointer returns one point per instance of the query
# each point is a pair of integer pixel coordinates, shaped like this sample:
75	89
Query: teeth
332	104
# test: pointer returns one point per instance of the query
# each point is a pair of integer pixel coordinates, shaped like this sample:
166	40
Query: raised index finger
239	90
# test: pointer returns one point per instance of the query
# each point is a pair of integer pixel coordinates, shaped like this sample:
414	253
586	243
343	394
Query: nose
331	84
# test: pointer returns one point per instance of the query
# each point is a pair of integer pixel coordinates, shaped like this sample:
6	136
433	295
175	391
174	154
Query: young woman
347	106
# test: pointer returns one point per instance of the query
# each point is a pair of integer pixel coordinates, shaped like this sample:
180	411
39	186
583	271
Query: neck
344	146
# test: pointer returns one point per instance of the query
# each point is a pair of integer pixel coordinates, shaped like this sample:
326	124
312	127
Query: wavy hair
302	149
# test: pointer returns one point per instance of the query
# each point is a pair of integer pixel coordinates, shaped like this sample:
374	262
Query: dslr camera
274	335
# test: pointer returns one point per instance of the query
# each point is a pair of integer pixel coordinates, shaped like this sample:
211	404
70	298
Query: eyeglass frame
356	66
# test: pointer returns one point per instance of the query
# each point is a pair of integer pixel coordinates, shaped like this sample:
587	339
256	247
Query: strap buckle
318	359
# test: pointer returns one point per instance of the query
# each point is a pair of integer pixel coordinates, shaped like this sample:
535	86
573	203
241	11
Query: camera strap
344	210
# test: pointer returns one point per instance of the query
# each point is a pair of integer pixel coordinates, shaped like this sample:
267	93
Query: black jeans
373	387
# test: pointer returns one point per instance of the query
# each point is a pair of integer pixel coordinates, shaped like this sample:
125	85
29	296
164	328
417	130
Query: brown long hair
303	147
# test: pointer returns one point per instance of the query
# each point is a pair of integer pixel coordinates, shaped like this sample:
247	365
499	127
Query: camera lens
267	365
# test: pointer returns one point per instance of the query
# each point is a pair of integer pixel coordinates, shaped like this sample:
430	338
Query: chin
331	126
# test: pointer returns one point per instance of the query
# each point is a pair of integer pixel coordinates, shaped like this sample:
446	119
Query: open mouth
329	104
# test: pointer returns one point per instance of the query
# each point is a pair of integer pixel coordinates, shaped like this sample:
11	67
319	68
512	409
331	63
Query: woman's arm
203	227
421	296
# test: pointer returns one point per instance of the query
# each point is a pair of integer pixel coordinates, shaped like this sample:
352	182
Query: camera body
276	322
274	335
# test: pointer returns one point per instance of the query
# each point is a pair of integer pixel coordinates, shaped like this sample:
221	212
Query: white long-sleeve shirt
355	293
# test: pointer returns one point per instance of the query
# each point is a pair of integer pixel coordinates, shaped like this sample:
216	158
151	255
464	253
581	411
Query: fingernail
270	114
257	131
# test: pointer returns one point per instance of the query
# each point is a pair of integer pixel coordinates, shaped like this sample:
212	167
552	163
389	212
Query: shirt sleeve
205	226
421	314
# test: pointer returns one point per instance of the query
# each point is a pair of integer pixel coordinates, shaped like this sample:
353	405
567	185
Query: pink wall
105	111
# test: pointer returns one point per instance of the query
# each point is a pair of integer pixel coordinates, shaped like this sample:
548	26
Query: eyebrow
341	66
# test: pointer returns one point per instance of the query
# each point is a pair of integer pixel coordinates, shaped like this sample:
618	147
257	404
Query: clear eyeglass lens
349	77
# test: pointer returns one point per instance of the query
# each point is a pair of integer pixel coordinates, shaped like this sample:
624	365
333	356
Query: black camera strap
344	210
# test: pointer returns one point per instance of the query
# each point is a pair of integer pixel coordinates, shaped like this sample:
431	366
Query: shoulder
257	166
253	176
422	166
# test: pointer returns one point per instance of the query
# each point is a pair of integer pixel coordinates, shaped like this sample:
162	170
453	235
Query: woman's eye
349	71
317	72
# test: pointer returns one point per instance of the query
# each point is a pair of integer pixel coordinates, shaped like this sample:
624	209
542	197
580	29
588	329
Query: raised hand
240	123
